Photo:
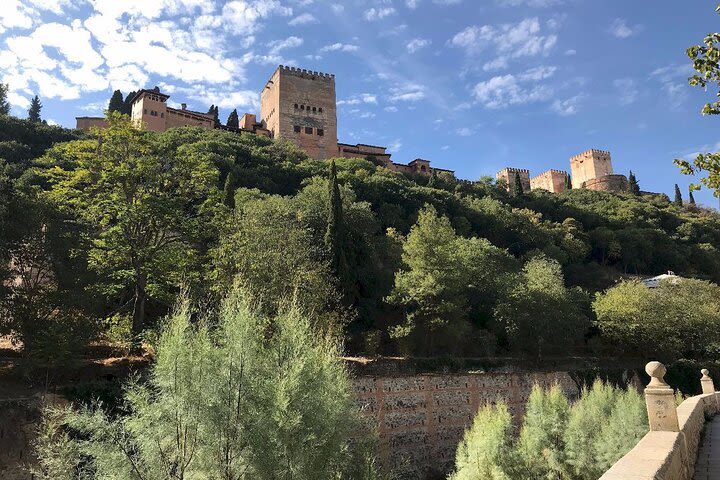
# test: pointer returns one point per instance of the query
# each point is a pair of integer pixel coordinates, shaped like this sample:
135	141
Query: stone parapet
607	183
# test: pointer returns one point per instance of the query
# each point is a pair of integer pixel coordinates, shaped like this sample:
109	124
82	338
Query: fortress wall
421	418
607	183
552	181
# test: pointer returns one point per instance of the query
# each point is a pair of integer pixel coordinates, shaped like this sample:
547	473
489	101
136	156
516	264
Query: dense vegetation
106	229
556	440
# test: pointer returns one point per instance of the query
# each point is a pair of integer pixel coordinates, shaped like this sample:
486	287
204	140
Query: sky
472	85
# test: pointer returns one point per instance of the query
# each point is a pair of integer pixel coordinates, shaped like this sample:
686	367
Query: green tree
233	120
335	238
691	197
517	186
539	313
229	190
568	182
251	398
144	205
34	110
621	430
127	103
677	318
4	104
485	450
116	102
678	196
633	186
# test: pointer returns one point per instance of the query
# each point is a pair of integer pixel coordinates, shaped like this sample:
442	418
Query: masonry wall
86	123
508	174
421	418
607	183
181	118
590	165
552	181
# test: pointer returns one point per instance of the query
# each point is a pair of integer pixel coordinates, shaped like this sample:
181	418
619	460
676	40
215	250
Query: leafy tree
539	312
633	186
144	204
229	190
691	198
568	182
127	103
678	196
233	120
621	430
335	238
247	399
485	450
34	110
116	102
674	319
4	104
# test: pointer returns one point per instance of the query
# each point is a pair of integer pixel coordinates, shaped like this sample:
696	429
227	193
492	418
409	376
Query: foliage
4	104
678	197
116	102
676	318
34	110
233	120
539	313
250	398
633	186
127	104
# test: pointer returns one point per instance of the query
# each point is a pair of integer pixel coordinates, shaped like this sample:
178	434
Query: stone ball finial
656	371
705	372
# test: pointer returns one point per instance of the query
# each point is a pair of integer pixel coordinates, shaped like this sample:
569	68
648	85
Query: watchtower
508	174
300	105
149	109
590	165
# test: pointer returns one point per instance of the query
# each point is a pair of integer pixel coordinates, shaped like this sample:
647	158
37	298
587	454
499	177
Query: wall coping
668	455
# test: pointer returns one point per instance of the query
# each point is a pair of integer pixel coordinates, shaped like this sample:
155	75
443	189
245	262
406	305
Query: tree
251	398
233	120
215	113
691	198
517	186
539	312
127	103
335	233
678	196
144	205
633	186
229	190
568	182
34	110
116	102
4	104
677	318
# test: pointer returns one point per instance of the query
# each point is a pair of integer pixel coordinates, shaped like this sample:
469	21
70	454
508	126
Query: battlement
301	72
592	151
515	170
550	172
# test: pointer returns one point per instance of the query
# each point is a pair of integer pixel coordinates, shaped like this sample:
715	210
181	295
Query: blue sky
472	85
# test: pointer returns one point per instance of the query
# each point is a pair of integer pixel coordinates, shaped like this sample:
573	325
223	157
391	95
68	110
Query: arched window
302	107
320	109
296	106
313	109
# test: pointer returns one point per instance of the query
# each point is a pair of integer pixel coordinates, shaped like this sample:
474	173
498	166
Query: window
308	130
320	132
145	111
162	115
296	106
314	109
296	128
302	107
320	110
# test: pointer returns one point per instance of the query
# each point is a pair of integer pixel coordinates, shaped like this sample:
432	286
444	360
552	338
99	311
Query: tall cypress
4	104
517	188
211	110
335	234
568	182
127	103
678	196
432	182
216	114
233	120
116	102
229	190
633	186
691	198
34	110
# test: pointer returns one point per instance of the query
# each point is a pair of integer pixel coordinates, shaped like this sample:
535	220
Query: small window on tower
320	109
302	107
296	106
296	128
314	109
308	130
320	132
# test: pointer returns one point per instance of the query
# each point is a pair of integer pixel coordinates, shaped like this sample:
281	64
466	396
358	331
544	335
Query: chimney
183	106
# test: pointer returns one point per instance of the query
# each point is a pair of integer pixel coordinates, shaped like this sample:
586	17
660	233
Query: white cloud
290	42
358	99
499	63
464	132
506	90
391	109
566	107
411	4
303	19
673	80
379	13
522	39
417	43
408	92
395	146
341	47
337	8
621	29
570	52
627	90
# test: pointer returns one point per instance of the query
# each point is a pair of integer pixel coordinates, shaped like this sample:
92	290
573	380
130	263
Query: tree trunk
138	319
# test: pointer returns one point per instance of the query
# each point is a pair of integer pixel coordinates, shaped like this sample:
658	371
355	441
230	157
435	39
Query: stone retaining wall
668	455
421	418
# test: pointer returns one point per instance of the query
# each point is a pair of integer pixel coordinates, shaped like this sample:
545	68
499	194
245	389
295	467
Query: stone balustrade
670	449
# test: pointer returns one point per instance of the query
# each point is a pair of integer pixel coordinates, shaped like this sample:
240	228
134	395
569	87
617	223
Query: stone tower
551	180
590	165
300	105
149	109
508	174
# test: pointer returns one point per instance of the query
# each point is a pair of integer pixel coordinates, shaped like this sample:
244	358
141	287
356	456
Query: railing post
706	382
660	400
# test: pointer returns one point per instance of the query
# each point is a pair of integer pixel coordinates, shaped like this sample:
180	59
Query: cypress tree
678	196
4	104
233	121
127	104
116	102
229	190
517	187
334	235
216	114
34	110
432	183
568	182
633	186
691	198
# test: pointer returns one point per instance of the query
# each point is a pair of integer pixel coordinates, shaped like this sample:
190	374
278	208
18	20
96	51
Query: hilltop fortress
296	104
591	169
